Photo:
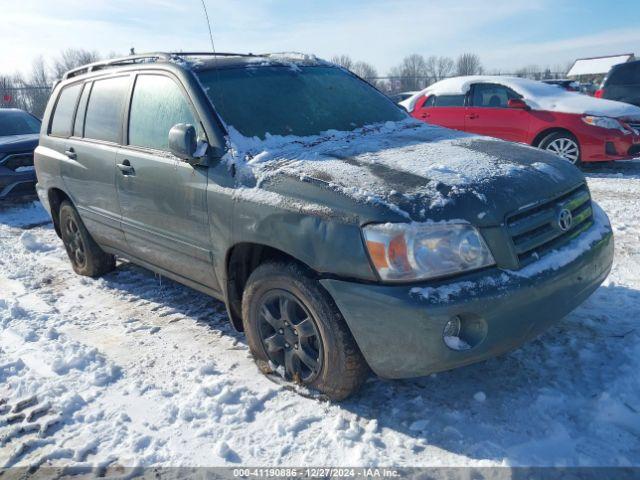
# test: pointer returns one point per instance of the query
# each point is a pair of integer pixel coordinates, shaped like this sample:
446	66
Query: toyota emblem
565	219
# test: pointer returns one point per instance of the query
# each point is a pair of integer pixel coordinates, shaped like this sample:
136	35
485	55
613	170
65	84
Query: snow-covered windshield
14	122
295	100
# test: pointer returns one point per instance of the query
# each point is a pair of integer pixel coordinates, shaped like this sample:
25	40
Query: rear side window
449	101
63	113
627	74
488	95
103	119
158	104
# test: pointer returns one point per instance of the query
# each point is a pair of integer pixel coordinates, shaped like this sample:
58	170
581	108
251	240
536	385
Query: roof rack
212	54
116	61
155	56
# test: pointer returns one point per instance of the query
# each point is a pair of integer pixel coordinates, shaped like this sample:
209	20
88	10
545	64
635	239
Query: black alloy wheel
290	336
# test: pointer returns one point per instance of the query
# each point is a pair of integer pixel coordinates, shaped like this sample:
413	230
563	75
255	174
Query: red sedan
574	126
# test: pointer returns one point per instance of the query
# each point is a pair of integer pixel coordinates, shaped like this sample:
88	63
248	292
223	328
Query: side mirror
183	143
518	103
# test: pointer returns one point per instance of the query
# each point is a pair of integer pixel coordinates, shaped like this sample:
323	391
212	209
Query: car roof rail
91	67
146	57
211	54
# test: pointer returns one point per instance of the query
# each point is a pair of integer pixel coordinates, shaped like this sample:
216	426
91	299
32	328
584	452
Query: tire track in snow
142	372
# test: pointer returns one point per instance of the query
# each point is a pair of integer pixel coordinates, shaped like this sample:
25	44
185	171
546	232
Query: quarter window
63	113
103	119
158	104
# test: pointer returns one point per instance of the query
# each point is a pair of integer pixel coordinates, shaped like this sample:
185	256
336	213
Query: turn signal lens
378	254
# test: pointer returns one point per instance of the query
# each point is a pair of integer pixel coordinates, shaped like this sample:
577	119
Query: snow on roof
538	95
597	65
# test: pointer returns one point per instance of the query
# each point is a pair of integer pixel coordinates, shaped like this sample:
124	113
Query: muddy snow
132	369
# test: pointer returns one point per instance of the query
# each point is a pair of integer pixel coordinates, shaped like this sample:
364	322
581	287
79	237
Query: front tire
564	145
86	257
293	326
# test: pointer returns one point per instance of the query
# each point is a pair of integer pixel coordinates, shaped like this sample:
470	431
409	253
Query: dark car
566	83
622	83
341	233
19	133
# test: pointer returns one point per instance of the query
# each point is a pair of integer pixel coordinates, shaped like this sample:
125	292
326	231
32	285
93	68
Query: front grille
536	230
17	160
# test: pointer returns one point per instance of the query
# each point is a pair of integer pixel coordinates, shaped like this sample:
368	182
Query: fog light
451	335
452	328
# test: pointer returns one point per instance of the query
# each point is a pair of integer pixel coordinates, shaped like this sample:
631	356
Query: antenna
206	14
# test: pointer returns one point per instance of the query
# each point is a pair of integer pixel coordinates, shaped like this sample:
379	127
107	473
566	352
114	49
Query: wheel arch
241	260
56	196
549	131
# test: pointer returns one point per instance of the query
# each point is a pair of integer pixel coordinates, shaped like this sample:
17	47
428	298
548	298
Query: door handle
126	168
472	116
71	153
425	115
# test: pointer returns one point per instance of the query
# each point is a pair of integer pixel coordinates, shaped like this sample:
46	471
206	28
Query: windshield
300	101
17	123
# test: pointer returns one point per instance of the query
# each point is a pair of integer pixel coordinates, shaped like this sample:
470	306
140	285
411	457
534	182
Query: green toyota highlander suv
342	235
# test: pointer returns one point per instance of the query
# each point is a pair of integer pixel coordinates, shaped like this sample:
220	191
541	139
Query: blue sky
507	34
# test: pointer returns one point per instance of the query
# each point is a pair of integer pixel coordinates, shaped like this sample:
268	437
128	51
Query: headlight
604	122
412	251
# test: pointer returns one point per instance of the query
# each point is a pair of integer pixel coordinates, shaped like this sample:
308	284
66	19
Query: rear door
163	199
489	114
85	130
444	110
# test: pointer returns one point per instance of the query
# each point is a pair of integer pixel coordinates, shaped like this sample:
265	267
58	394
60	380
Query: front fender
324	239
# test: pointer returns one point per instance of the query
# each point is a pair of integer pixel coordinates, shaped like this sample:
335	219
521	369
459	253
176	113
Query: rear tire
563	144
293	327
86	257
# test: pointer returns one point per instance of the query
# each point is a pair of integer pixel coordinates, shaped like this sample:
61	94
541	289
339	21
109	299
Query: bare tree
362	69
343	60
365	70
439	67
72	58
533	72
468	64
37	88
411	74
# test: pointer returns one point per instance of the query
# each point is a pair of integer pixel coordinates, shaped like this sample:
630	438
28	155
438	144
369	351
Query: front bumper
399	331
614	146
15	184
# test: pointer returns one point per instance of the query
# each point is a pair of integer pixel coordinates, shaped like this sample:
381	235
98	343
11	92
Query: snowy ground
130	370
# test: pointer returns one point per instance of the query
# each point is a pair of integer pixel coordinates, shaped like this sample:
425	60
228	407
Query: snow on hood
410	167
538	95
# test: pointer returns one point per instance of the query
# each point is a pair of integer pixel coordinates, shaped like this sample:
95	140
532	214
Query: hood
18	143
411	170
573	102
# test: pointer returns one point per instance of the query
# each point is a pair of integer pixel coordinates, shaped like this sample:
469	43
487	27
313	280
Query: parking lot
133	369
